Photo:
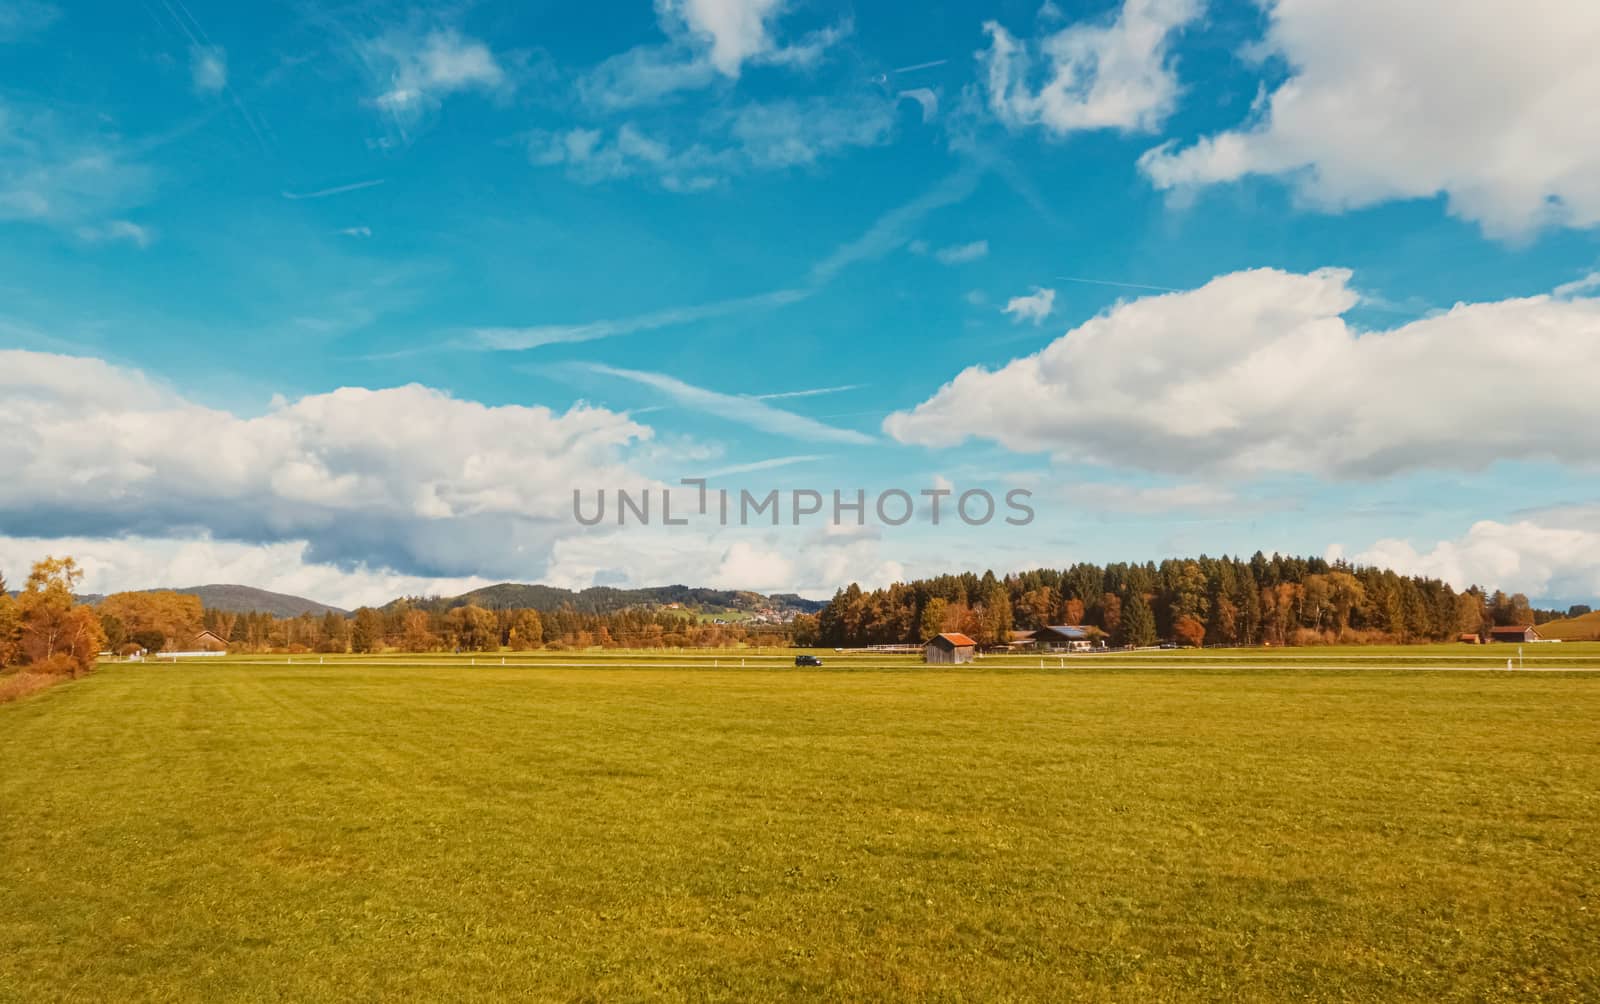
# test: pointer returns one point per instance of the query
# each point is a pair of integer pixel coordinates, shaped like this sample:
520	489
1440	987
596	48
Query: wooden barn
950	647
1519	633
1021	640
210	641
1063	638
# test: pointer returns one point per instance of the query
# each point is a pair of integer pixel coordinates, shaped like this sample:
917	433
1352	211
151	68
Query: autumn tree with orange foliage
1189	631
56	634
176	617
9	625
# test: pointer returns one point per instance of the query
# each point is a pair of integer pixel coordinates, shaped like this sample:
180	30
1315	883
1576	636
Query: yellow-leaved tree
8	626
56	633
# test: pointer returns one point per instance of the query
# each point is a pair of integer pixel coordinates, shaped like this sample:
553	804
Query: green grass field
639	830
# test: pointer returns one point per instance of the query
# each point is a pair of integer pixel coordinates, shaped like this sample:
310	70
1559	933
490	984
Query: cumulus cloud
1034	307
707	41
734	30
1521	557
208	66
1258	371
356	496
125	563
1115	75
1492	106
813	564
406	478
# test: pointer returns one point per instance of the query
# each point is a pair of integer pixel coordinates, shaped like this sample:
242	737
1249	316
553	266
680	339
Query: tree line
1261	600
424	625
1278	600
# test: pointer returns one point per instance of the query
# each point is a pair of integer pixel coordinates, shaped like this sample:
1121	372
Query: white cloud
1491	105
1521	557
960	254
1034	307
1258	371
1115	75
644	75
707	41
358	495
63	172
794	132
812	564
1576	286
357	232
127	563
208	65
415	70
748	411
925	98
737	30
406	478
116	230
773	135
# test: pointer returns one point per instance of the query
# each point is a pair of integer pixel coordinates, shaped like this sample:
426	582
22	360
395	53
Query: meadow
1309	824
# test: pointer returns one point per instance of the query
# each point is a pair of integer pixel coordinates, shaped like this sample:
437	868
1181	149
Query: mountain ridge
240	599
608	599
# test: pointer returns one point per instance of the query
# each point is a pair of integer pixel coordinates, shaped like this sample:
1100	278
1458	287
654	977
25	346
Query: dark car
807	660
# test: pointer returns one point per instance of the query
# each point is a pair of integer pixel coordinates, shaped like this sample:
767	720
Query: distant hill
248	599
1585	628
606	599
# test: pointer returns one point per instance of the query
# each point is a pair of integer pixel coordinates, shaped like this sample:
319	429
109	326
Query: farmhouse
210	641
1469	638
1062	638
950	647
1518	633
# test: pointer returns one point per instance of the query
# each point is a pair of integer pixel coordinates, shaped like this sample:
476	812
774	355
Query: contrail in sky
340	190
1124	285
813	392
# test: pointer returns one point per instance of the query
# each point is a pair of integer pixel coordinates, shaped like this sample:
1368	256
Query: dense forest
1262	600
435	626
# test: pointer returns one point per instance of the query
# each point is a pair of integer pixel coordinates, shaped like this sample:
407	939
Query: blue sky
1299	282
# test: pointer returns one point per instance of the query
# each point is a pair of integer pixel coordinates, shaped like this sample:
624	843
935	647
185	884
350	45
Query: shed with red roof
950	647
